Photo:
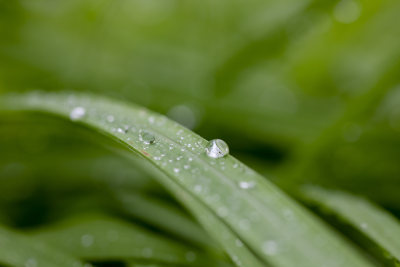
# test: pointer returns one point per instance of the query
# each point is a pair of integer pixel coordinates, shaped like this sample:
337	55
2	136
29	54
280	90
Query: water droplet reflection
146	137
217	148
77	113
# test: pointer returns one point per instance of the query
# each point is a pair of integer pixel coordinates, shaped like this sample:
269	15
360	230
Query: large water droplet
217	148
146	137
77	113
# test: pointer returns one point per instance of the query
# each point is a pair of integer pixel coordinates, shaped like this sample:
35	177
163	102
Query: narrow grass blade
169	218
99	238
376	224
273	226
19	250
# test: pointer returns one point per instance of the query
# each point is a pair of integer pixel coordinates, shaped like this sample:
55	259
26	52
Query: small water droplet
364	226
146	137
31	263
77	113
270	247
288	214
247	185
239	243
147	252
110	118
198	188
236	260
217	148
87	240
176	170
244	224
222	212
120	130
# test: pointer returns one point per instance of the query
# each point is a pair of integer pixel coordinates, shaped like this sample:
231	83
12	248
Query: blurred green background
305	92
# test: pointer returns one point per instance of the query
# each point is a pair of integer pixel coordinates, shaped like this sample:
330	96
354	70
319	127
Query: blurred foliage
303	91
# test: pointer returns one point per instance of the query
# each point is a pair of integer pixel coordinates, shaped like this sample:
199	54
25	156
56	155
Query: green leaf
376	224
19	250
169	218
99	238
275	228
229	240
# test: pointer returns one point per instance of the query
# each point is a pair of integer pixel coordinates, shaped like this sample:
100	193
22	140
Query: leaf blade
17	249
259	217
370	220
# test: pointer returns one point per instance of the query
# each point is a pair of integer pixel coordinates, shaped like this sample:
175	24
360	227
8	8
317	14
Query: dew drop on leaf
87	240
238	243
147	252
120	130
222	211
198	188
146	137
247	185
110	118
31	263
217	148
270	247
364	226
77	113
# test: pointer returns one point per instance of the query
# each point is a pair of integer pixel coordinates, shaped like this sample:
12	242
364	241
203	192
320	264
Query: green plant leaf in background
277	230
99	238
168	217
17	249
371	221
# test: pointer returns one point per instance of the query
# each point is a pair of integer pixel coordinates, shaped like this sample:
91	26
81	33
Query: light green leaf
376	224
274	227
